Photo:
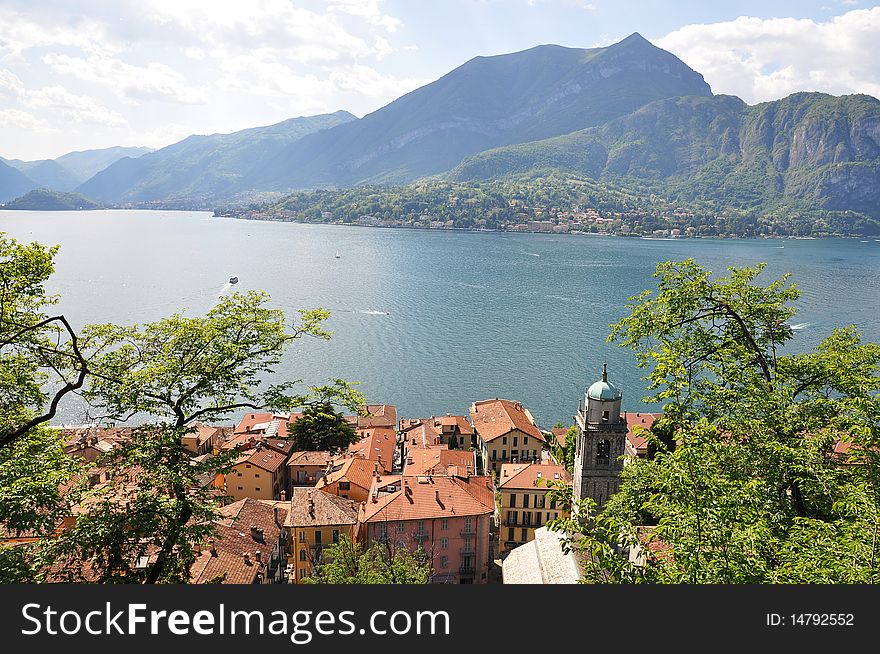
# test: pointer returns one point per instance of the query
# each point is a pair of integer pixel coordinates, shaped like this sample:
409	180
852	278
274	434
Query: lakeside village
469	490
589	222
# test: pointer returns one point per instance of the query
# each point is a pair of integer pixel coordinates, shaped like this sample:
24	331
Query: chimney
275	512
283	498
247	559
258	555
437	496
212	545
311	505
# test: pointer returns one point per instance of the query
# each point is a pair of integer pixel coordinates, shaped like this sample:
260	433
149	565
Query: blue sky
77	74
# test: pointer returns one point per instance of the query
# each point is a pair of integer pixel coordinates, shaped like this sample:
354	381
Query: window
504	440
605	415
444	561
240	488
525	440
469	525
527	518
400	527
444	543
539	501
247	465
335	535
317	536
257	475
515	441
538	518
494	455
552	504
510	534
603	453
444	524
302	554
525	535
380	530
257	489
513	499
302	537
525	501
344	485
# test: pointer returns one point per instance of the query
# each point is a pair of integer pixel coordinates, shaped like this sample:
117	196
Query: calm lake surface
427	320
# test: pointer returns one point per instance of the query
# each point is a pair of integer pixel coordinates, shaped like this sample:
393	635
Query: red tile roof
258	422
356	470
436	460
496	418
311	458
637	441
312	508
524	476
376	444
266	459
380	415
425	498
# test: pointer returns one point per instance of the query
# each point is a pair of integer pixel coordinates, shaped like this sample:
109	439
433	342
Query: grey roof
540	561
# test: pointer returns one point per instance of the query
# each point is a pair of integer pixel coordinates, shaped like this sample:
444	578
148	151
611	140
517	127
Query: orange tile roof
376	444
252	420
379	415
524	476
355	470
425	498
435	460
559	433
646	420
496	418
266	459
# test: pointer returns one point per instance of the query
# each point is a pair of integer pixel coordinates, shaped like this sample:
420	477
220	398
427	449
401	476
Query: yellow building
524	504
315	520
260	474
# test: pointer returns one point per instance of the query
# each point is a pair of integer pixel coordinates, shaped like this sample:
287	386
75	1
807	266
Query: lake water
427	320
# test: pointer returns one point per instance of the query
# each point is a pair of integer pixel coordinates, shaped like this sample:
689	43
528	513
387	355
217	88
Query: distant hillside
487	102
807	148
43	199
201	167
13	182
86	163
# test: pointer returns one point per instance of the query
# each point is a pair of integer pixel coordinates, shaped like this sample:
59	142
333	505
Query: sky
78	74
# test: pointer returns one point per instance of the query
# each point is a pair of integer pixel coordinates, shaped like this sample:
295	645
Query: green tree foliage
347	562
172	373
321	428
774	470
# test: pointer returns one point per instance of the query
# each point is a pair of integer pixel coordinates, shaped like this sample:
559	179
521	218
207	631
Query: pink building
447	516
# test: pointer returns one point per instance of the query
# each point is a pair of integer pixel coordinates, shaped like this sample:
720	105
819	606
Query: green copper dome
604	389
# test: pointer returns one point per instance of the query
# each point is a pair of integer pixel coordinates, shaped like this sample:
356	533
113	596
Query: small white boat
337	254
233	280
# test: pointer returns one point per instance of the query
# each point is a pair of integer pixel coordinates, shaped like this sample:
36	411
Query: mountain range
630	113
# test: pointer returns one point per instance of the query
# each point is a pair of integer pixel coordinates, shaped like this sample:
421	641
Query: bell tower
598	457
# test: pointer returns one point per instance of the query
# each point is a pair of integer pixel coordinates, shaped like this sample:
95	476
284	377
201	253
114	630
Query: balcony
469	532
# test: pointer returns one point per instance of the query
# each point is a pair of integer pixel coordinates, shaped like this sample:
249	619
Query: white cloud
19	33
766	59
74	108
21	120
155	81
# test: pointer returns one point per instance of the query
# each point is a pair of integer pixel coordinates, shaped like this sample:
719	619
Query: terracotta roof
559	434
646	420
310	458
356	470
324	509
259	422
433	426
525	475
376	444
380	415
234	537
266	459
249	441
496	418
424	498
435	460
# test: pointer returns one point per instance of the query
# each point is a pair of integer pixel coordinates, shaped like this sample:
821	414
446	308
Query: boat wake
371	312
801	326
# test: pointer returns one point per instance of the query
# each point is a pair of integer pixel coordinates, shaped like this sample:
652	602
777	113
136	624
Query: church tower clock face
601	441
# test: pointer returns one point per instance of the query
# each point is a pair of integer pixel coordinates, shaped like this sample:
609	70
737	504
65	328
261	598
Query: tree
766	468
171	374
347	562
40	363
320	428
